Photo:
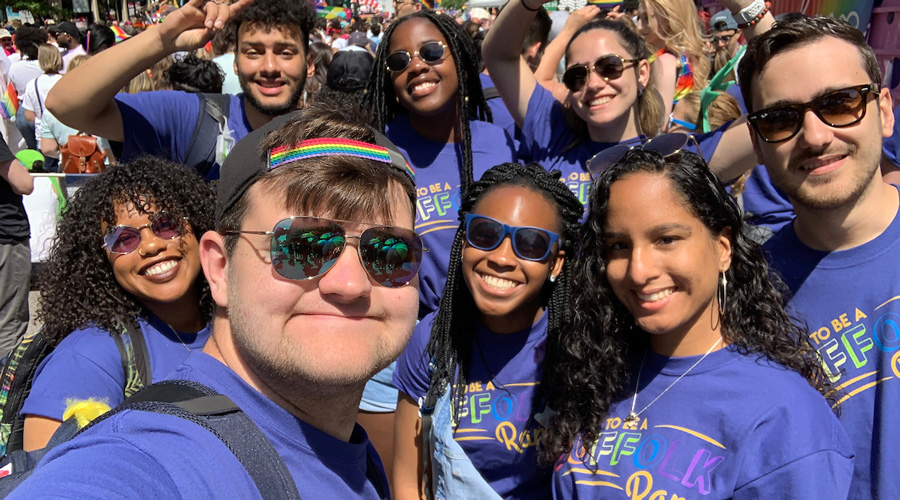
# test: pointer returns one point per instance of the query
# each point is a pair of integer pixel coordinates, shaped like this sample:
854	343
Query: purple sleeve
545	132
831	479
159	123
411	375
86	364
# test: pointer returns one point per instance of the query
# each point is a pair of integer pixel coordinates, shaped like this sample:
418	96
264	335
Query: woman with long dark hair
681	371
478	363
125	258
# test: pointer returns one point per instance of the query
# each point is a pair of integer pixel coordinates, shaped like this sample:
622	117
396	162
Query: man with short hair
724	32
312	267
271	62
818	115
68	38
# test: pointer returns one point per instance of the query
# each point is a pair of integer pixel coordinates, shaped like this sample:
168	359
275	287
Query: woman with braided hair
426	95
478	362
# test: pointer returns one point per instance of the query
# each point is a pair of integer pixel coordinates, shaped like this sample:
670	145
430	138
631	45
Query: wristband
755	20
749	12
529	8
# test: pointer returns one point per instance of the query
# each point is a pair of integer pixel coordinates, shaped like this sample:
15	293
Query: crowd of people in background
640	251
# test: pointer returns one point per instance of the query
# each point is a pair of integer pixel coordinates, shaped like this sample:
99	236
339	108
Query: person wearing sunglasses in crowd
125	257
611	99
681	374
312	268
476	365
819	128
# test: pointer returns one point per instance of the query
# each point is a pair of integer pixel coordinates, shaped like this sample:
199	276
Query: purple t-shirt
139	454
161	123
437	166
848	300
87	364
736	426
497	428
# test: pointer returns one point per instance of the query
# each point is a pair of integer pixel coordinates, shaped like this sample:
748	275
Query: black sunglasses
529	243
609	67
722	38
303	248
430	53
840	108
123	239
665	145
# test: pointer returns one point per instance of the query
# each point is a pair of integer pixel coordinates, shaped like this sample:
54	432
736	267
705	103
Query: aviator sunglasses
665	145
430	53
124	239
529	243
609	67
840	108
303	248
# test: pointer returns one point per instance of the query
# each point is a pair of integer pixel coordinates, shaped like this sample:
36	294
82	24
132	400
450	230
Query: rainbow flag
9	102
120	33
428	4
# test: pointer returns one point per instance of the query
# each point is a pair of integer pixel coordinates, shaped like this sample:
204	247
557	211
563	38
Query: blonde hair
49	59
77	61
140	83
682	34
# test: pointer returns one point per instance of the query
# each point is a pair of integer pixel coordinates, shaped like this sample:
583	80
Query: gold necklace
631	421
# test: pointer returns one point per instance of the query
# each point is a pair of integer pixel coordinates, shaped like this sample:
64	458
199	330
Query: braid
453	331
471	105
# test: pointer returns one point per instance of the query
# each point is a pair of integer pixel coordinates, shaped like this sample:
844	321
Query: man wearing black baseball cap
312	267
68	37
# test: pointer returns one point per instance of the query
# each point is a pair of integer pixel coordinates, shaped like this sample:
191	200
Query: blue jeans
452	474
27	128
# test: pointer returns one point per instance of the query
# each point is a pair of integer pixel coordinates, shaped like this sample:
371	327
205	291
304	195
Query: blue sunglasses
529	243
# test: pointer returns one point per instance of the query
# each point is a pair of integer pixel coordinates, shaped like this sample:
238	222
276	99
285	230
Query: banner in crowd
856	12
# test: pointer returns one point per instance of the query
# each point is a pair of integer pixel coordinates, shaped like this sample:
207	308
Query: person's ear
723	245
214	260
557	265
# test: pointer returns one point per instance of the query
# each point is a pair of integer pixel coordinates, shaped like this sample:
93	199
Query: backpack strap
211	115
219	415
15	385
135	356
491	93
38	94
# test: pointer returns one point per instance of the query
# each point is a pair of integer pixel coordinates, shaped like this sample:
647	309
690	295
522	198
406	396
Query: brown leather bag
82	155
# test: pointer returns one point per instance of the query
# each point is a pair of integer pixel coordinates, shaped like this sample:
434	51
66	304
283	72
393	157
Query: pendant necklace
631	421
177	336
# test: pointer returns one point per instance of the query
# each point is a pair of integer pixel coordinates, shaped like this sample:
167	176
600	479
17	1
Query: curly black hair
380	97
297	17
603	343
193	74
28	40
452	334
77	286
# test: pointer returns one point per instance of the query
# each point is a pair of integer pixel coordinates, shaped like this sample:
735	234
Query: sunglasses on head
303	248
665	145
429	53
840	108
123	239
529	243
609	67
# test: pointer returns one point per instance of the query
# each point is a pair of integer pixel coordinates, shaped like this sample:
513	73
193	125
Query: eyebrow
656	229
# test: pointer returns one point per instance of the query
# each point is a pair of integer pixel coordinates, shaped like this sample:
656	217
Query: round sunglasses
609	67
840	108
429	53
665	145
303	248
529	243
124	239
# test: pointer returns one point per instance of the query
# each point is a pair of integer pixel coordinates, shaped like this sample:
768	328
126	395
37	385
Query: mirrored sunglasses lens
841	108
391	255
484	234
305	247
778	124
609	67
574	78
167	227
606	158
666	144
431	52
123	240
532	244
398	61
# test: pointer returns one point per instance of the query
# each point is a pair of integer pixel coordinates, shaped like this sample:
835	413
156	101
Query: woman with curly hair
681	372
479	376
125	256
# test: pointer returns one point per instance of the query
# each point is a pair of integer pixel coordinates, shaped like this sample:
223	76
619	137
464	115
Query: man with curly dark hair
312	267
271	62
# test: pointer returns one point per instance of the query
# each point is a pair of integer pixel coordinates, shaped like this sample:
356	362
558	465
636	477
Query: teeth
424	85
498	283
653	297
161	268
600	100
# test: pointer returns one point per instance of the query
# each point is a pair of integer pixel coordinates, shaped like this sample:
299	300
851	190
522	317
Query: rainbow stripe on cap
329	146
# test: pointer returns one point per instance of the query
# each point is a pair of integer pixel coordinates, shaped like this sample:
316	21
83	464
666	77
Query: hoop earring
723	297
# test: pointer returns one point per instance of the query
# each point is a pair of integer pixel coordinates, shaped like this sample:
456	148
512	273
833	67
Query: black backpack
190	401
22	361
213	113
